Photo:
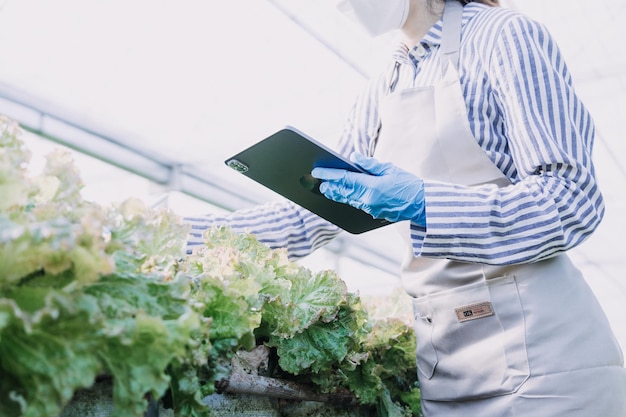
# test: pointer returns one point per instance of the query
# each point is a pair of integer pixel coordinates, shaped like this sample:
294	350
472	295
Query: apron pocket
471	341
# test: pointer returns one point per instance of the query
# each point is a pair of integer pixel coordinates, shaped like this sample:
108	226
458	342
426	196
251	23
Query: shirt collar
432	38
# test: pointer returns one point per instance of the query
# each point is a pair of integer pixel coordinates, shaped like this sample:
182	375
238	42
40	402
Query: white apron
493	341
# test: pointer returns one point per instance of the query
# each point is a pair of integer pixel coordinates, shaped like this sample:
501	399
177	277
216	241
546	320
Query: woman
488	174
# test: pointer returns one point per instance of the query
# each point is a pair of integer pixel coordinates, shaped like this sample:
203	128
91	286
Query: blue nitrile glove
386	191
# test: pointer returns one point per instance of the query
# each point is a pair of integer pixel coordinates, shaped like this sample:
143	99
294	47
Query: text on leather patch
474	311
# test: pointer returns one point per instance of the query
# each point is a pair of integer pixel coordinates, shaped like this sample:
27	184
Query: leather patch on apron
474	311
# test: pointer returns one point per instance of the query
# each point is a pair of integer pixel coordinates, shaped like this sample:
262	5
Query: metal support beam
113	148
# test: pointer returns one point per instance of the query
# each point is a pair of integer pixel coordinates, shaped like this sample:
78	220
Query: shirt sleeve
554	203
276	224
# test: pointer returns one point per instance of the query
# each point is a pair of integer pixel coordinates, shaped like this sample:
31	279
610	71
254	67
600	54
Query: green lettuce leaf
306	300
46	352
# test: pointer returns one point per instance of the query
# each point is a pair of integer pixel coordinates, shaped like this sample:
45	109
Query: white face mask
377	16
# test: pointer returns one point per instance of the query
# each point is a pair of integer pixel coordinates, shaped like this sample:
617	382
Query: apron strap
451	36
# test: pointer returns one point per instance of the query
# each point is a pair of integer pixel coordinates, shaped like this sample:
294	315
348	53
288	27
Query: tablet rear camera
237	165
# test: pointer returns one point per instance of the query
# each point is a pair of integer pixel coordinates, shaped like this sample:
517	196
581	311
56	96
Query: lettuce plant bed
97	402
87	291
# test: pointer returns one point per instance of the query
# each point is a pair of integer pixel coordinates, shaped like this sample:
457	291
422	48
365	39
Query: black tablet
283	163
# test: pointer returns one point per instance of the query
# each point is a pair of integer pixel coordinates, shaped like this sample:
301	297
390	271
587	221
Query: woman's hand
385	191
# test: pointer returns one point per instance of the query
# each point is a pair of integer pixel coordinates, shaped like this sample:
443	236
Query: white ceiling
195	81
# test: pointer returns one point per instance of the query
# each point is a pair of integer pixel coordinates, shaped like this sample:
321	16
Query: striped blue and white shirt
524	113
